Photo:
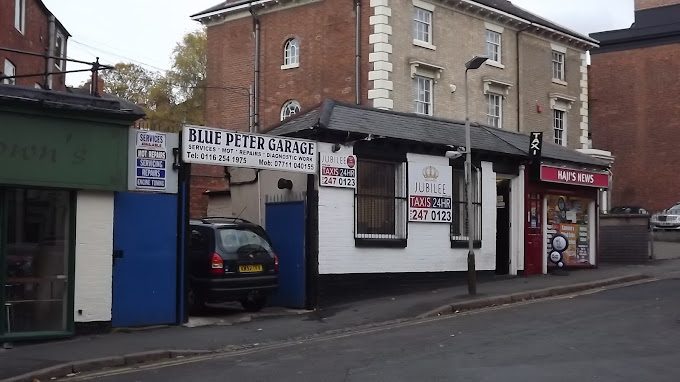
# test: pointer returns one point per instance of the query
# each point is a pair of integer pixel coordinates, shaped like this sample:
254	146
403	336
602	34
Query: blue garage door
285	225
145	259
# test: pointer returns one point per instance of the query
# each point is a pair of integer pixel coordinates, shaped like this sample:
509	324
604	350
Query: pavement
618	334
114	349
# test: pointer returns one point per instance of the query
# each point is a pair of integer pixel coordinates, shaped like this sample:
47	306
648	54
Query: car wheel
194	302
254	305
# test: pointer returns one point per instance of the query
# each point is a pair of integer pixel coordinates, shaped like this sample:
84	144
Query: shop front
59	163
562	217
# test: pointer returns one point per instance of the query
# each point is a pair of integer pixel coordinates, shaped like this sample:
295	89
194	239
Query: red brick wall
634	116
326	33
35	39
647	4
204	178
324	29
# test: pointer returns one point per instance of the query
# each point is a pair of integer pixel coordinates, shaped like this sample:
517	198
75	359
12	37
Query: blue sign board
150	164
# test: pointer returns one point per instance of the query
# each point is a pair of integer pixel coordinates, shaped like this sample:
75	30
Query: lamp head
476	62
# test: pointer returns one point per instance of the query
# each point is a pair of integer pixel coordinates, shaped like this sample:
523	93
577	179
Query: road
624	334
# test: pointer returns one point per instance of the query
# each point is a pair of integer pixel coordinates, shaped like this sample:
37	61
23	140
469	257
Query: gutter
574	36
200	16
51	37
256	74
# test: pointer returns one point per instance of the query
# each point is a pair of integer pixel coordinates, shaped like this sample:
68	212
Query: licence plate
250	268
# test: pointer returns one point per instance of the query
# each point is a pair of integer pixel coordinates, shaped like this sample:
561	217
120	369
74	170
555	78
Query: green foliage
173	98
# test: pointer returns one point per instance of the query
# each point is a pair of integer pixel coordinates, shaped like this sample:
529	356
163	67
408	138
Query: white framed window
422	25
558	65
291	54
59	50
9	71
422	87
20	15
494	110
289	108
559	127
381	206
493	45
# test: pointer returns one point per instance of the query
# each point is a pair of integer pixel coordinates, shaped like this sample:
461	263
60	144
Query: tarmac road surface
624	334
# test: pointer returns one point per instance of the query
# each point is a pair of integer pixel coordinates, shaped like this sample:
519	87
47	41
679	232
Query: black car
230	259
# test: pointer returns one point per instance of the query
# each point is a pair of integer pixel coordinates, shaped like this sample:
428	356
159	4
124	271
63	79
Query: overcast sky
145	31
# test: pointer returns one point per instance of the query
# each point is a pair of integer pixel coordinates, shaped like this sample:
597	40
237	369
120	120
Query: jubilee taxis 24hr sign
429	193
206	145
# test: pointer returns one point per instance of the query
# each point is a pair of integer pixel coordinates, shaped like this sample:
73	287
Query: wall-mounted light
285	184
336	147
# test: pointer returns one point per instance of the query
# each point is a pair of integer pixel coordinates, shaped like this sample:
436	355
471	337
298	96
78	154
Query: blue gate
145	259
285	225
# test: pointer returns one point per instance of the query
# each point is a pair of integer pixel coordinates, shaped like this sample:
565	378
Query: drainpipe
519	76
256	80
52	33
357	53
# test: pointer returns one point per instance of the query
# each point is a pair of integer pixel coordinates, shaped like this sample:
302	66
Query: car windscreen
675	210
234	240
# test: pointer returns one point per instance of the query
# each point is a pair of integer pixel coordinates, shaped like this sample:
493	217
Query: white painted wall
429	247
94	247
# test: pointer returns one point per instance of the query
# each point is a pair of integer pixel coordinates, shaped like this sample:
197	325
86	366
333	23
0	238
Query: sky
146	31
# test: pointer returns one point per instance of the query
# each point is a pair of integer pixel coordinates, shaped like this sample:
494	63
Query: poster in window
568	216
429	193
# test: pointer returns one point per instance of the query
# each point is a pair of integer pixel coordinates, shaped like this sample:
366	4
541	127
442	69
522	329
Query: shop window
381	202
569	218
37	249
459	225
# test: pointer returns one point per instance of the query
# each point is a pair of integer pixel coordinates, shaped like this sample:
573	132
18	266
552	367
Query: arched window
291	52
290	108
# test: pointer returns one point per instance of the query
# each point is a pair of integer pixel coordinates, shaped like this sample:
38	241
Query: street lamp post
473	64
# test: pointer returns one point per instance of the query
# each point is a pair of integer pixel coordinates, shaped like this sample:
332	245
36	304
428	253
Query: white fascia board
230	10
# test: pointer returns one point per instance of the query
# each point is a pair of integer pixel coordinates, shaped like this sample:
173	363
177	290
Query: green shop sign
66	153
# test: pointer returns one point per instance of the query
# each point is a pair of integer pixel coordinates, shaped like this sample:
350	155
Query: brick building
28	25
634	74
395	55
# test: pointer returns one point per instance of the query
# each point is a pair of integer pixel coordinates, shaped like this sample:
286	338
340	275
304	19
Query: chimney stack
100	86
641	5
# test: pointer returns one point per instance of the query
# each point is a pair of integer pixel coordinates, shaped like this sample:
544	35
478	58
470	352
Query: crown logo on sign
430	173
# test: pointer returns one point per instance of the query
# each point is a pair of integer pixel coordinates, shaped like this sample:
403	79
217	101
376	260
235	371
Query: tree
129	81
188	75
171	99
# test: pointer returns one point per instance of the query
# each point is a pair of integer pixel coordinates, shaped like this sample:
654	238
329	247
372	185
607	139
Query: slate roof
509	7
124	104
336	116
67	101
501	5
